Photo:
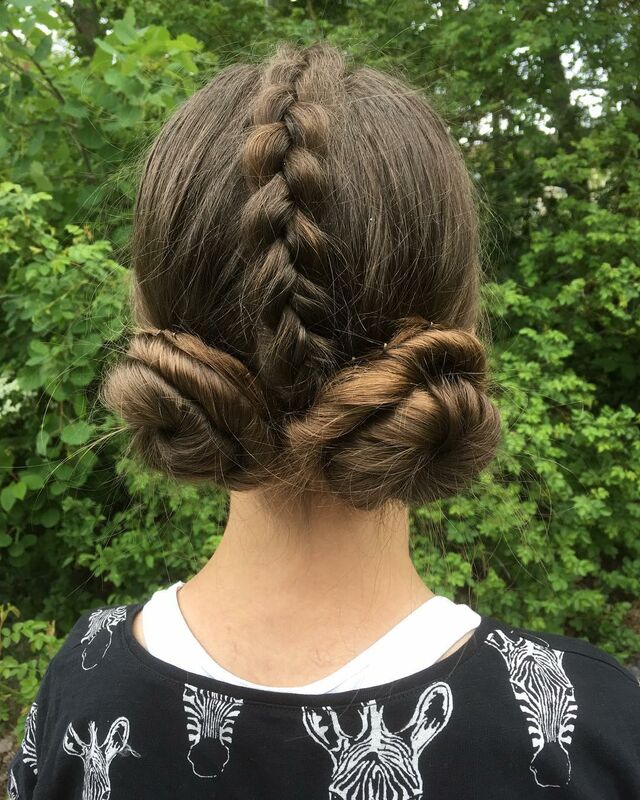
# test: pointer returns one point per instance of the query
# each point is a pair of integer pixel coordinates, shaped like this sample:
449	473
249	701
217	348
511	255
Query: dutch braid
283	162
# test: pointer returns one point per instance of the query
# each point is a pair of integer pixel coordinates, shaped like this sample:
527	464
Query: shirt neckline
426	609
384	691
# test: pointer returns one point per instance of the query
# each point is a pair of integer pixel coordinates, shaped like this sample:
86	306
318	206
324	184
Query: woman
307	280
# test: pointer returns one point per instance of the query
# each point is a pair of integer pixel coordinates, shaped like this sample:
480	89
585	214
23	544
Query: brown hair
307	281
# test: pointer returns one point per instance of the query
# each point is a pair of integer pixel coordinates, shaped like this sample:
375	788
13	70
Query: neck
290	573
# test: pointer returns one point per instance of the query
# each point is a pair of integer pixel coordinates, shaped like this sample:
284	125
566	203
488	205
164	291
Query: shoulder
90	648
516	644
92	641
93	648
563	671
561	706
96	629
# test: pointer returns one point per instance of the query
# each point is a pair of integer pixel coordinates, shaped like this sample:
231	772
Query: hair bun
413	424
196	412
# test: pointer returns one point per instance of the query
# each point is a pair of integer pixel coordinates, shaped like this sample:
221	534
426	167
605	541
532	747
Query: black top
511	714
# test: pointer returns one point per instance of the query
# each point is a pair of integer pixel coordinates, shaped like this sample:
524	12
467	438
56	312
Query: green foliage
548	538
62	304
73	127
26	648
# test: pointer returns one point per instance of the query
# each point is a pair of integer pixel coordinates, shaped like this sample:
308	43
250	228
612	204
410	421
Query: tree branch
53	89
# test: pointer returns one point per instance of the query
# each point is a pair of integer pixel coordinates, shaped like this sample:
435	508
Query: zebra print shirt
513	714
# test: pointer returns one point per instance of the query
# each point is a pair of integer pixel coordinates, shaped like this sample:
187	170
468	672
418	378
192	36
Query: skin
283	603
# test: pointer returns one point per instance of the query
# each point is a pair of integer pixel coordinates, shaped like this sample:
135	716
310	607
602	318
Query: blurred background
544	100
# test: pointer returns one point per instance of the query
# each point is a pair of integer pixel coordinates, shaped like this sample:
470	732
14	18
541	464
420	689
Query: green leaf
107	48
42	440
58	488
39	176
49	517
33	480
19	489
102	59
77	433
82	376
7	498
124	32
43	49
130	17
38	348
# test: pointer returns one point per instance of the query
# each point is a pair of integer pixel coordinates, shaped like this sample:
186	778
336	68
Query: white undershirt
414	643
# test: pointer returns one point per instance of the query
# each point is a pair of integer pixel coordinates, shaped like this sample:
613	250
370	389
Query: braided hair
307	280
281	221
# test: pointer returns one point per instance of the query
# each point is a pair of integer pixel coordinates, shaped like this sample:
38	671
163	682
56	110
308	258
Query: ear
116	740
322	725
72	743
432	714
538	641
502	643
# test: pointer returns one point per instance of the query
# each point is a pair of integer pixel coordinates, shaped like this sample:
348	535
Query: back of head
307	278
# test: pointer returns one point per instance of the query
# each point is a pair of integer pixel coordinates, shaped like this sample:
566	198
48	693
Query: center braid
288	252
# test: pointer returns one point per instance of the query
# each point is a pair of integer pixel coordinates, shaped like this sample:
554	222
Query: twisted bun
196	412
413	424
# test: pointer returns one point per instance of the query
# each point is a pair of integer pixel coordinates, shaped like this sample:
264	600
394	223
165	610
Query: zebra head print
12	787
28	747
99	634
547	699
378	762
97	758
210	721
